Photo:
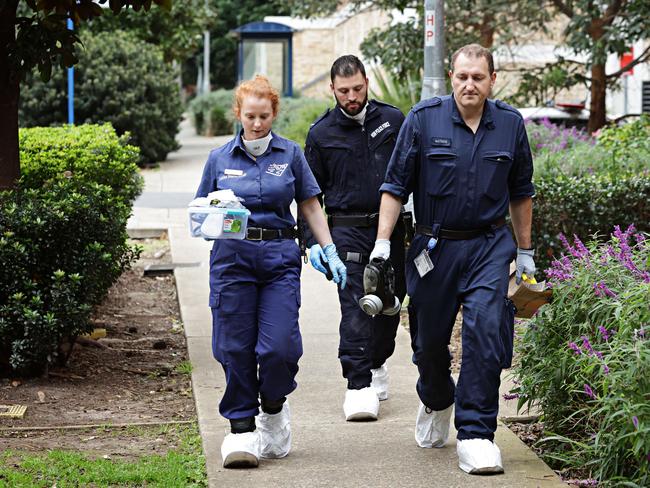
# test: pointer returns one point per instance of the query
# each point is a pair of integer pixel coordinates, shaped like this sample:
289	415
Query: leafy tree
540	84
39	40
120	79
597	29
487	22
178	32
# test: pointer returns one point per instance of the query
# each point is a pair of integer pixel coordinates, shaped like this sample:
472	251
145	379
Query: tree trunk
9	93
487	30
597	117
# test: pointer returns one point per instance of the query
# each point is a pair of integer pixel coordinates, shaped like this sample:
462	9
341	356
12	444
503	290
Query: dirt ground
137	374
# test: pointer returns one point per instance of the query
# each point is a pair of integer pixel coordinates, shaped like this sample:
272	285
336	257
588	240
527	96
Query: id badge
423	263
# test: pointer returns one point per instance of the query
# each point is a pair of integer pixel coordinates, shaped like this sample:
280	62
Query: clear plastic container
218	222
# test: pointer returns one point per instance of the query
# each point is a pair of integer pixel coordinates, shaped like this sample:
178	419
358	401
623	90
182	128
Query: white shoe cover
361	404
479	456
241	450
380	381
432	427
275	433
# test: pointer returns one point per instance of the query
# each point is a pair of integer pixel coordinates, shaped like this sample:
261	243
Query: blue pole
70	85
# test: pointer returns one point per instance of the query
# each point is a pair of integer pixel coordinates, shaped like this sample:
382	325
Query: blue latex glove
525	264
315	255
336	265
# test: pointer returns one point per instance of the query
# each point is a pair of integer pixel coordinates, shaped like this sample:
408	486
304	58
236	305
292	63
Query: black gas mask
379	289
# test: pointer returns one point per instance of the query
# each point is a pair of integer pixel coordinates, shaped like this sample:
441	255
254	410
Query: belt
259	234
457	235
355	257
353	220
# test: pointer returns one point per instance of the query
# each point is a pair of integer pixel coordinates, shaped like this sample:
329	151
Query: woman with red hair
255	282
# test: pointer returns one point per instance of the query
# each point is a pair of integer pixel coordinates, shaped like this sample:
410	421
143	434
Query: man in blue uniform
467	162
348	149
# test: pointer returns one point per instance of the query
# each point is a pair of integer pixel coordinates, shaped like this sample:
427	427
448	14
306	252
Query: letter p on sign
429	18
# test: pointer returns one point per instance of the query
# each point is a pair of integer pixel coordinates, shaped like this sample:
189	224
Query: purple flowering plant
585	359
544	136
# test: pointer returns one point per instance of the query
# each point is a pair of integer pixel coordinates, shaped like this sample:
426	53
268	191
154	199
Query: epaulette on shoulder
429	102
504	106
321	117
384	104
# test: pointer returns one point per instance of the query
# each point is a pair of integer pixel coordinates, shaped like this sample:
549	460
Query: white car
565	115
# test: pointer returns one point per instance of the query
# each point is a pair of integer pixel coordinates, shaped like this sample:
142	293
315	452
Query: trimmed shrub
62	248
583	186
119	79
92	153
218	122
63	240
585	360
586	205
293	122
206	112
296	116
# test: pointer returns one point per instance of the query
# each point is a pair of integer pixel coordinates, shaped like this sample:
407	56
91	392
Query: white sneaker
432	427
479	456
241	450
361	404
380	381
275	433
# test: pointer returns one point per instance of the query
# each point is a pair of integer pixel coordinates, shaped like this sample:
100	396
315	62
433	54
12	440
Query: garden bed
133	385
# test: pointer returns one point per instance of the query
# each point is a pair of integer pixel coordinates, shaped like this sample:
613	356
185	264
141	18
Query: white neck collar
257	147
360	117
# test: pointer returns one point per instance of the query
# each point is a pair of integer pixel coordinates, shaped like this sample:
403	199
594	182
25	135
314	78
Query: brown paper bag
528	297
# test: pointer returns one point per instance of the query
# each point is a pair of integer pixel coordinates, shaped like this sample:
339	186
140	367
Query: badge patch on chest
441	141
379	129
276	169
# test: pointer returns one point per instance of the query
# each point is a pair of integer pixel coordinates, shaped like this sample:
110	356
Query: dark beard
363	104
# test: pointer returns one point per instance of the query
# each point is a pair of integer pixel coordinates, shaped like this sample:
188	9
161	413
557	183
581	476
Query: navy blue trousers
365	342
473	273
255	297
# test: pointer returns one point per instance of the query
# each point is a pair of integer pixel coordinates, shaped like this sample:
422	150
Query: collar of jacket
486	117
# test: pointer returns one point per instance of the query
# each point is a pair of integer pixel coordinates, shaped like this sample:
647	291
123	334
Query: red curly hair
259	87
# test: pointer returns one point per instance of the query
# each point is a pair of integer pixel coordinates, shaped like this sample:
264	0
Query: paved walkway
327	451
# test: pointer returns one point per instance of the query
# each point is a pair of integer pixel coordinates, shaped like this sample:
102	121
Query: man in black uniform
348	149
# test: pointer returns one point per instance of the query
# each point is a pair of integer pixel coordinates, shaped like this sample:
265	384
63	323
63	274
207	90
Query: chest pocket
382	148
243	185
440	171
341	162
493	173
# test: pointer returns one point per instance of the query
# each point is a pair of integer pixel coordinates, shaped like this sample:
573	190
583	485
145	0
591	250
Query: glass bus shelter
265	48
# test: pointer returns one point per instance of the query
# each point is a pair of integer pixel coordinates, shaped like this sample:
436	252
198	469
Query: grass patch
184	367
180	467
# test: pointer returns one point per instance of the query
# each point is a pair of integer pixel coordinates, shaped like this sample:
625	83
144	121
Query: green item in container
231	224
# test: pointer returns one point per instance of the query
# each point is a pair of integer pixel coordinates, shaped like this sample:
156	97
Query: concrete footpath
327	451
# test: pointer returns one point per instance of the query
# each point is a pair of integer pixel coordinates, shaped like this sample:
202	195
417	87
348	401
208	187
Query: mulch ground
136	375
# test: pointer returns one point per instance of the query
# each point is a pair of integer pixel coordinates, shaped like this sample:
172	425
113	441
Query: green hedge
296	116
586	205
63	240
585	361
212	115
584	186
119	79
92	153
